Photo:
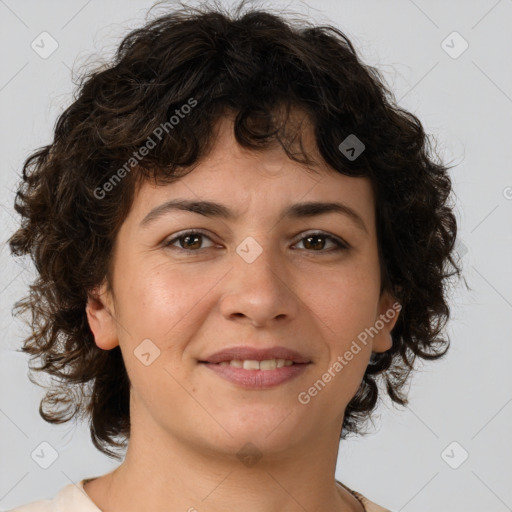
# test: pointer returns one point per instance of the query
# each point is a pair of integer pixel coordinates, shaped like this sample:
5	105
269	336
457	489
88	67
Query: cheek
163	303
346	300
161	306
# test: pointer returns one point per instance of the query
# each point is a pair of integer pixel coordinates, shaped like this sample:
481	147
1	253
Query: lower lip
257	379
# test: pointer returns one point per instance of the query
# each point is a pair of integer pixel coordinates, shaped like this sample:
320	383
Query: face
306	283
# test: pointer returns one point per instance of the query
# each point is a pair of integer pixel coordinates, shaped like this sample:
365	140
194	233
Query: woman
237	235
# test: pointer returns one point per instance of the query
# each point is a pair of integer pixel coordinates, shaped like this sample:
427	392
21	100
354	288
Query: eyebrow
213	209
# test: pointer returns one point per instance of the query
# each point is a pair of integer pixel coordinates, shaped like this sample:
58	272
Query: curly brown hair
252	64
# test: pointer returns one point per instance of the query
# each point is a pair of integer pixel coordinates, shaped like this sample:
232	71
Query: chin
271	433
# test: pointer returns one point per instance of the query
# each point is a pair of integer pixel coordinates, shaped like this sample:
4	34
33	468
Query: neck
161	473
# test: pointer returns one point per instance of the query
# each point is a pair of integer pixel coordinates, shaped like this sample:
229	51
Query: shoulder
35	506
369	506
72	497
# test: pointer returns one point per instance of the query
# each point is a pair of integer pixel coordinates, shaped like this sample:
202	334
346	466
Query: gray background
465	102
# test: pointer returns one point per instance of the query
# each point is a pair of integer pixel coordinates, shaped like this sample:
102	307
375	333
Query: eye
313	240
191	241
188	240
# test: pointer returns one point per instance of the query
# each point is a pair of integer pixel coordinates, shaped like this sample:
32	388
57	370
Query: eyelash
340	245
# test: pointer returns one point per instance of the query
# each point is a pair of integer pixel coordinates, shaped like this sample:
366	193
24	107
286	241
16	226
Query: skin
187	423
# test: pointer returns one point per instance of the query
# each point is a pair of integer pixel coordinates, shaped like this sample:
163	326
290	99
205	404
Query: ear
389	309
101	317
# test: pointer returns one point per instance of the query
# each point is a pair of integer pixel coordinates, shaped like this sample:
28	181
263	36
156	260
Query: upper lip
242	353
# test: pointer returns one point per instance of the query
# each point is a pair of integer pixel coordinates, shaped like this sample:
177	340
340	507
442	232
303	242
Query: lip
244	352
257	379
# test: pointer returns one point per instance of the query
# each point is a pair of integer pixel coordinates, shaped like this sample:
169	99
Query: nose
259	292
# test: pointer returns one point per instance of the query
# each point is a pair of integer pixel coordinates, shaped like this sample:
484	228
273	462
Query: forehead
266	180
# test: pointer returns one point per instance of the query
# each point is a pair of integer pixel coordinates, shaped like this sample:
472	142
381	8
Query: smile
251	364
250	374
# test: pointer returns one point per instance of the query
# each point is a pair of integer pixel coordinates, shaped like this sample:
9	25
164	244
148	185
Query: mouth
250	374
253	364
248	357
257	368
255	378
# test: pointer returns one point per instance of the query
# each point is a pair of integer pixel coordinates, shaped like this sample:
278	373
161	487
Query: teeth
271	364
250	364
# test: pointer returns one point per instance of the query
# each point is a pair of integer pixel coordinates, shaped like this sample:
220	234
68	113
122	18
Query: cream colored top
73	498
369	506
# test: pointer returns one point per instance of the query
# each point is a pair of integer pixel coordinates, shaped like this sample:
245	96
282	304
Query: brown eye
188	241
191	241
315	242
